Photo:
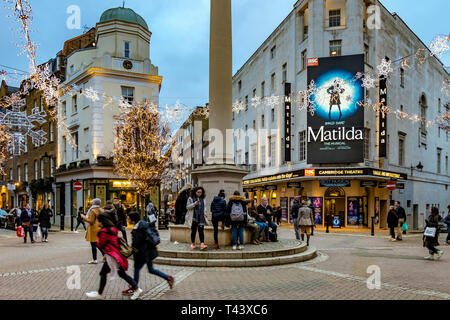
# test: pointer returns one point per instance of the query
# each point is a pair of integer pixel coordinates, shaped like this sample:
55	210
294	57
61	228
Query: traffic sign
391	185
77	186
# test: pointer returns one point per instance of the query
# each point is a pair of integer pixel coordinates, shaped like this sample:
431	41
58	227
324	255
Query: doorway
335	204
415	217
383	214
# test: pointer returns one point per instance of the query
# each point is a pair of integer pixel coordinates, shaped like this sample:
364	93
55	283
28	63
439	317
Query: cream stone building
327	28
114	61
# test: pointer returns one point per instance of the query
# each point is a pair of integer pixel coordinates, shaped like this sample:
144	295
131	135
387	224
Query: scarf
89	211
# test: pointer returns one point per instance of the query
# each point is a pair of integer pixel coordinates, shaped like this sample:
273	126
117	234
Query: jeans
104	273
94	250
392	230
215	222
28	230
138	267
44	233
201	234
124	233
236	232
448	234
254	230
297	231
262	227
78	224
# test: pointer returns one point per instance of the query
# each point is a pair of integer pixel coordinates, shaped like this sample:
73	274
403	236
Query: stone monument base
182	234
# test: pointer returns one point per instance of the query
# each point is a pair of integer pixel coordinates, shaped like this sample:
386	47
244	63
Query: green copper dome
123	14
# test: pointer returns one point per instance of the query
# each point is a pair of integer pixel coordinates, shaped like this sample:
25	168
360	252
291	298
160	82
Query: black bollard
372	233
328	224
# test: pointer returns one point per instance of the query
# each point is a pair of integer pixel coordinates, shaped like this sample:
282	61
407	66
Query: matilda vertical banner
287	121
336	127
382	119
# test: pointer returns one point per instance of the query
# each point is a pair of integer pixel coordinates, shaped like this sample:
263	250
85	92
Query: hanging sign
287	121
382	118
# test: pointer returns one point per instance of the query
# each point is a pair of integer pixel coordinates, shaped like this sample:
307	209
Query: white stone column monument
220	172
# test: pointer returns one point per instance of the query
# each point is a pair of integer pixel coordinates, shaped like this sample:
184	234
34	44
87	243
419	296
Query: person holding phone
195	217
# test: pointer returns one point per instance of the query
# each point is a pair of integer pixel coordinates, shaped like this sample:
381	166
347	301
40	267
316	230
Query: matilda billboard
336	126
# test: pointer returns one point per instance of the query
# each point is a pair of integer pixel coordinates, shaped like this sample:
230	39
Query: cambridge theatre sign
328	173
335	119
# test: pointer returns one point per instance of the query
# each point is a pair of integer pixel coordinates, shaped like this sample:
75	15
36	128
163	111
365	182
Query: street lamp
419	167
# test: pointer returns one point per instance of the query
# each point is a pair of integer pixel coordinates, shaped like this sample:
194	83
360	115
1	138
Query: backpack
237	213
125	249
153	236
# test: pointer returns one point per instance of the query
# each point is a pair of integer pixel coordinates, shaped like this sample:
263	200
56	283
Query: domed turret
123	14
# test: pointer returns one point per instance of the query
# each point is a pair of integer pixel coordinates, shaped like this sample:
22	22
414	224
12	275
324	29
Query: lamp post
419	167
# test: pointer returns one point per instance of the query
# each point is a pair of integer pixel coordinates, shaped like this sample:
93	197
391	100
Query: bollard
372	232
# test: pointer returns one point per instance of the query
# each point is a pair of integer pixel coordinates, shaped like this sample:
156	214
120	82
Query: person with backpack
447	222
431	242
180	204
144	251
115	263
44	221
305	221
294	215
392	221
80	219
110	210
237	217
195	216
218	208
266	211
121	218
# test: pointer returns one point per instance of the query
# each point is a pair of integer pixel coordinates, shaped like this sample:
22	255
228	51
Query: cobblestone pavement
39	271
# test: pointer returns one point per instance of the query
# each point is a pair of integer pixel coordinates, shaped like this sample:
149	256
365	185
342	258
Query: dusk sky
180	34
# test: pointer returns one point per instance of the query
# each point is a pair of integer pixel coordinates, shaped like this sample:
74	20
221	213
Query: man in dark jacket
111	212
264	209
218	207
27	219
181	202
121	218
294	214
401	219
143	251
392	221
44	221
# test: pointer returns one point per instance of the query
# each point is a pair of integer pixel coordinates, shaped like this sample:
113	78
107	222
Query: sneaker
93	262
127	292
203	246
94	295
46	240
171	281
193	246
75	231
392	240
234	247
241	247
429	257
440	253
136	294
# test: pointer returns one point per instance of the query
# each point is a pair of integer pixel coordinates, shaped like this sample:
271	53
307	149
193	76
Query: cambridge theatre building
349	158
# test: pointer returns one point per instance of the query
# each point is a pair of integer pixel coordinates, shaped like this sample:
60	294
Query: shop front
347	197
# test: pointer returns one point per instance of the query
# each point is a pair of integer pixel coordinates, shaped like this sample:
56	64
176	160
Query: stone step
308	254
227	253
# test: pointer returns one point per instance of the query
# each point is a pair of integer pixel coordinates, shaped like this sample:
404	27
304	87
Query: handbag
26	224
405	226
430	232
125	249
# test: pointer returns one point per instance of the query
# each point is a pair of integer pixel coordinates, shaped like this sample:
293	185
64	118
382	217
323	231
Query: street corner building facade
109	63
305	123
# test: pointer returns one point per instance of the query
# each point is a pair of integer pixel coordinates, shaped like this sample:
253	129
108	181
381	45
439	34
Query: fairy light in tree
439	45
5	141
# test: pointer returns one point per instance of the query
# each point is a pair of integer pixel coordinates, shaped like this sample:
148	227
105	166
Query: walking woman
237	217
44	221
195	217
93	229
115	263
392	220
27	219
80	219
432	242
144	252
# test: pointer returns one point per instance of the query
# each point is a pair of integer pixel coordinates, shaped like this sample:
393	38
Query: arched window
423	114
335	192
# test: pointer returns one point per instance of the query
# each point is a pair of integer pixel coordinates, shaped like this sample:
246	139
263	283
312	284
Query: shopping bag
38	233
430	232
405	227
20	232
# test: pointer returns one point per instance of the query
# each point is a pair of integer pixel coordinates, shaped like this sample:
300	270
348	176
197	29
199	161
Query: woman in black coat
44	221
143	251
392	221
432	242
